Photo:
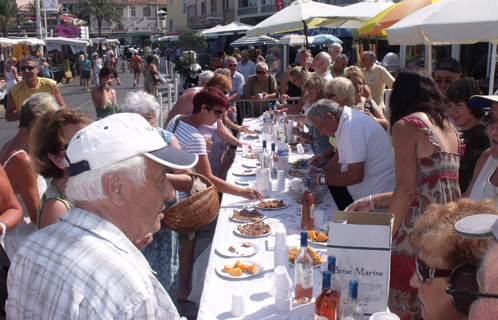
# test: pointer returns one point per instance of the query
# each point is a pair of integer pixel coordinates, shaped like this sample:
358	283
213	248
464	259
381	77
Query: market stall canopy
323	39
231	27
350	17
253	41
294	40
69	41
292	18
391	15
169	38
9	42
104	40
448	22
161	12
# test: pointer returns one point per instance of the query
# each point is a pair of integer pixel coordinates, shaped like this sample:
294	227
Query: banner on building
279	4
50	5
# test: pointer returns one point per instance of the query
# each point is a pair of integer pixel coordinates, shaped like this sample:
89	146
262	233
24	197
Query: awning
69	41
65	18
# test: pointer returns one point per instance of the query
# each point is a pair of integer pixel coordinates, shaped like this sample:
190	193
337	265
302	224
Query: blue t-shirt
85	64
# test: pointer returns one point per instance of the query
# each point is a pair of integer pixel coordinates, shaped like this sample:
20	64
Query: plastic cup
260	95
282	279
270	284
384	316
281	181
300	149
238	304
245	148
318	218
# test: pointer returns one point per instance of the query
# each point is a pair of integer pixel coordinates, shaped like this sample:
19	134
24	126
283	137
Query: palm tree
8	13
99	11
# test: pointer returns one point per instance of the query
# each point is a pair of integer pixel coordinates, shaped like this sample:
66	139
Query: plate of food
251	164
246	215
237	249
251	155
319	257
250	135
317	237
244	172
252	131
294	148
300	162
271	204
253	230
297	173
239	269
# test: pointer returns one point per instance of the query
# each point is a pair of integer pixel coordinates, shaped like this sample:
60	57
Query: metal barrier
249	105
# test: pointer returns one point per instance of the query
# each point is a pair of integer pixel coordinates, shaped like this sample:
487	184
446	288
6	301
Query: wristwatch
322	179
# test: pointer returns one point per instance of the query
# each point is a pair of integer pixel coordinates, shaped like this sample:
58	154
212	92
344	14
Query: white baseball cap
478	226
120	137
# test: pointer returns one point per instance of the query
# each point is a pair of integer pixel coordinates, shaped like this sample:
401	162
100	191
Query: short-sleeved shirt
253	87
237	85
155	60
189	137
85	65
377	78
21	91
84	267
247	69
361	139
326	75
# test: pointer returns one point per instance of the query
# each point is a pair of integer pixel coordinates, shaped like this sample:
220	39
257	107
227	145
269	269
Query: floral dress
437	182
162	252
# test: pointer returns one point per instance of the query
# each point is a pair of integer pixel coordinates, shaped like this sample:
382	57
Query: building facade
199	14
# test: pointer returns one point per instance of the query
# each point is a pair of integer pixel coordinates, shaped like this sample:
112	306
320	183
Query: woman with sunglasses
48	140
444	257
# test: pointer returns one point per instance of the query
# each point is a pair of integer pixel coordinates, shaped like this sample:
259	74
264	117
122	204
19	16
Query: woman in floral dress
427	154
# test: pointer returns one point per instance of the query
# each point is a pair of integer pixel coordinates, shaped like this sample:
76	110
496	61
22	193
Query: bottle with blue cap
352	311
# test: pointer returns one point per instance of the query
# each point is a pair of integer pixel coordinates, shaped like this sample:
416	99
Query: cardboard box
361	243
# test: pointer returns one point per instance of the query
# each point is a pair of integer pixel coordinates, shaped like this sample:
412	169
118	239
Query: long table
216	296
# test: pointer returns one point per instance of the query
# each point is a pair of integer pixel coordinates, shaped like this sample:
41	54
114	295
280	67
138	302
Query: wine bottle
335	286
303	272
307	207
325	305
352	311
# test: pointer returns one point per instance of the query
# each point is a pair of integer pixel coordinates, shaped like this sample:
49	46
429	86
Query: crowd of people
430	161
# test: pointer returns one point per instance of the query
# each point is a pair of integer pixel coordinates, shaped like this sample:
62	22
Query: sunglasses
463	287
217	113
292	81
425	272
260	72
29	68
232	65
489	119
331	95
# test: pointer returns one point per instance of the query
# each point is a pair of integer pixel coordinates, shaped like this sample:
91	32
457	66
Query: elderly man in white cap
479	292
88	266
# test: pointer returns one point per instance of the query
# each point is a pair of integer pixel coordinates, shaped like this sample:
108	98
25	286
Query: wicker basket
195	212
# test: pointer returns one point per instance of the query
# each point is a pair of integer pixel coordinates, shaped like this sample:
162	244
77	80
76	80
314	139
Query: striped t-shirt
188	136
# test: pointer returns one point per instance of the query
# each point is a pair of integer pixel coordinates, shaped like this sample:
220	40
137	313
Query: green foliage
8	15
192	40
147	42
99	11
157	44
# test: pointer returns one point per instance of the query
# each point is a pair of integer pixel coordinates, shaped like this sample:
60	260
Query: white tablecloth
217	293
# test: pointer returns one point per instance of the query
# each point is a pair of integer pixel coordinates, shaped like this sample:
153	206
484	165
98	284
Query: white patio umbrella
294	40
449	22
253	41
292	18
236	26
351	17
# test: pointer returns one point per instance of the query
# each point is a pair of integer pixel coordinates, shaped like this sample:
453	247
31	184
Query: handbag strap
177	122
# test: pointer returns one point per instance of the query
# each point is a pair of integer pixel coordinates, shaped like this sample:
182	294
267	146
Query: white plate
259	208
322	255
321	243
295	175
241	251
242	182
243	173
237	232
250	164
246	155
245	275
251	135
244	221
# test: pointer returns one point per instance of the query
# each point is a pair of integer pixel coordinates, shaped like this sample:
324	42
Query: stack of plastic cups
281	181
283	283
281	249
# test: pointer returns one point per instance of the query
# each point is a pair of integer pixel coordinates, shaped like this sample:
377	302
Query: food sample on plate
317	236
246	244
253	131
271	204
294	148
247	171
238	269
251	136
300	162
246	215
316	258
257	228
297	173
252	155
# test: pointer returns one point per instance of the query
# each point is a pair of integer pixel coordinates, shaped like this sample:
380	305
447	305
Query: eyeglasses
232	65
463	287
29	68
330	95
425	272
217	113
260	72
292	81
489	119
